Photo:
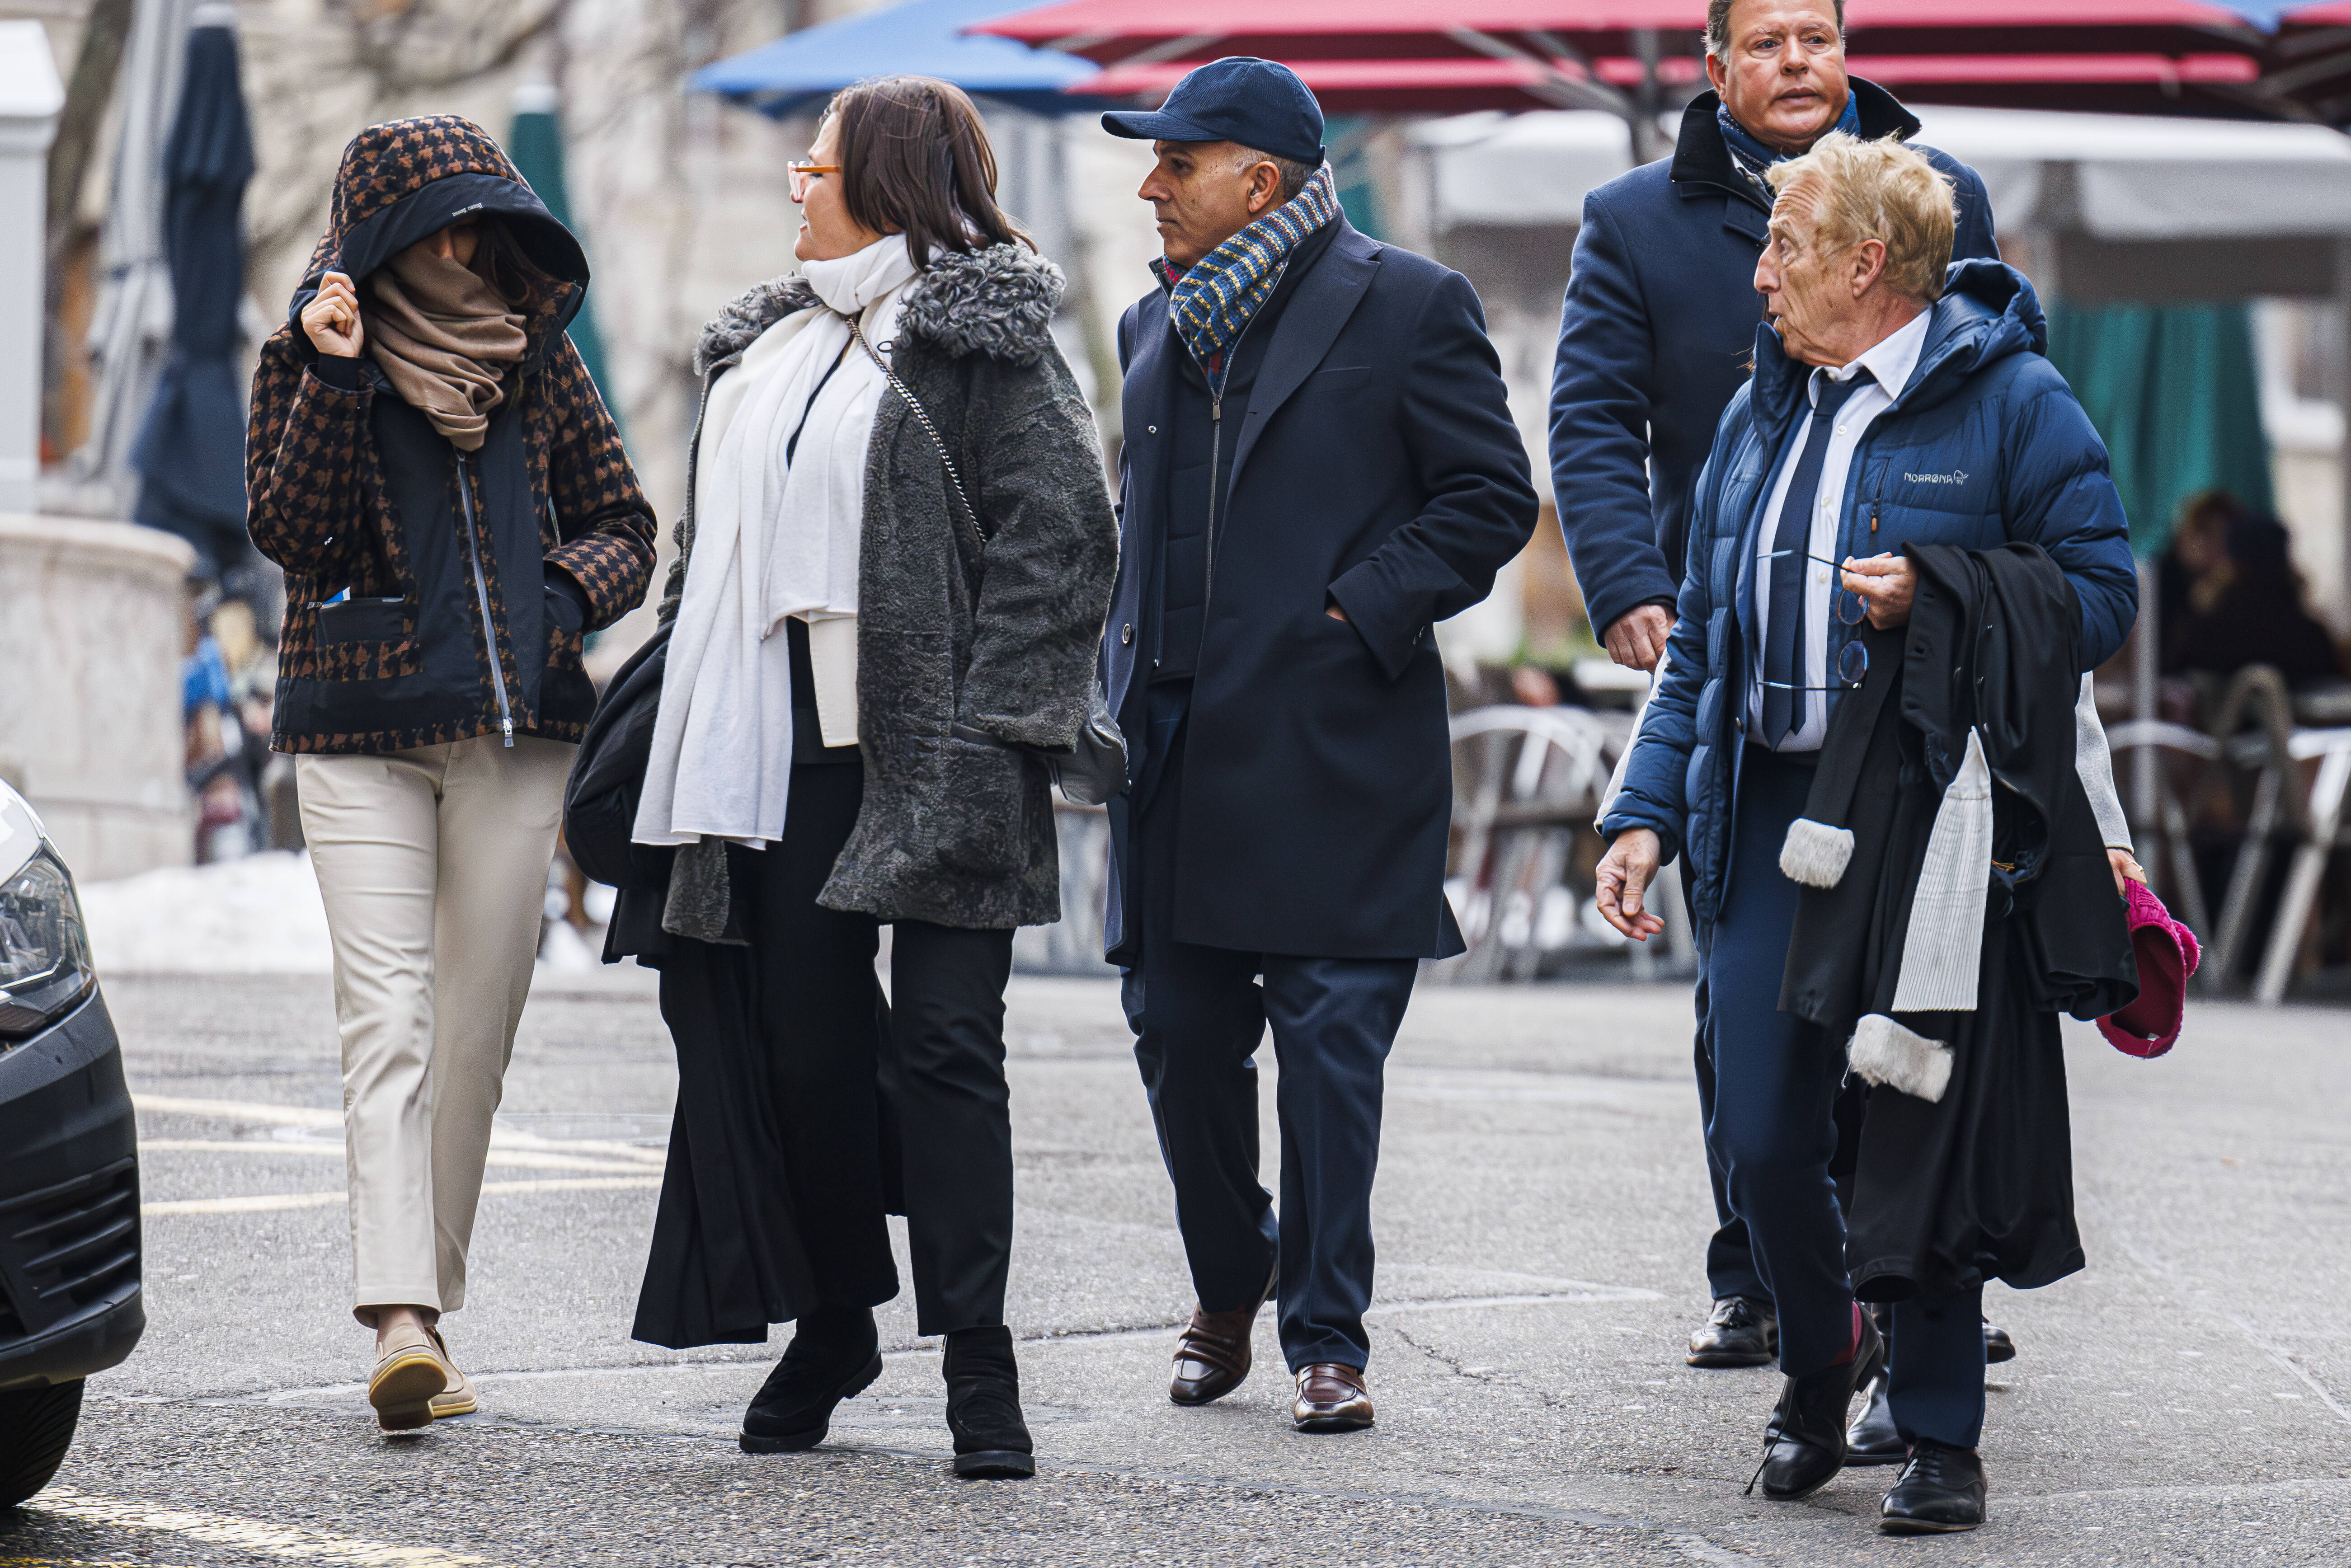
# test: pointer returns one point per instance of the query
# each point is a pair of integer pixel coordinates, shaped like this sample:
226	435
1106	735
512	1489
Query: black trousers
1198	1015
809	1108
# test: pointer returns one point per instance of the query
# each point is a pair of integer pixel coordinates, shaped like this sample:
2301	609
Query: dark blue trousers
1198	1015
1772	1126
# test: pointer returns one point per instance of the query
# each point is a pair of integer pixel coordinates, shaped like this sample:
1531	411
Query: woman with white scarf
894	567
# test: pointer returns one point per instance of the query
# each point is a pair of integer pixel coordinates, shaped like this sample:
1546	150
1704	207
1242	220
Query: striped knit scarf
1211	301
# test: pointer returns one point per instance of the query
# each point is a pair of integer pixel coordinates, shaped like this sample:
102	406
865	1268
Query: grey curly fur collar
999	302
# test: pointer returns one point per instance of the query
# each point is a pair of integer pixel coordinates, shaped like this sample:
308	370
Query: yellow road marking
261	1203
247	1534
522	1158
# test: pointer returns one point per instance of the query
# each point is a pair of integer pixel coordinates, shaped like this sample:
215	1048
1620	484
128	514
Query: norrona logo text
1956	476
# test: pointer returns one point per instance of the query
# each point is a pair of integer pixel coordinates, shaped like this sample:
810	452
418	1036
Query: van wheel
37	1427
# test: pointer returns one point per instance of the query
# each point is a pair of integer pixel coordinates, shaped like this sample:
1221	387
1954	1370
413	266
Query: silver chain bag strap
1094	771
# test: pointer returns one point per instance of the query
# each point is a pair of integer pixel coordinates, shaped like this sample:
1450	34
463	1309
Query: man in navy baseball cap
1269	660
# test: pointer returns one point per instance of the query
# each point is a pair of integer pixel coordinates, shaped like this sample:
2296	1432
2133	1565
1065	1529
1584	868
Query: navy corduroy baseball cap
1238	98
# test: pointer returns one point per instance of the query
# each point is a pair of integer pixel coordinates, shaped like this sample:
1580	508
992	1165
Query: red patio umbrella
1142	32
2310	65
2113	83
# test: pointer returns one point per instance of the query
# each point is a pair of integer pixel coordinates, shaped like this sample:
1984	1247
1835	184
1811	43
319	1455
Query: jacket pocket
978	804
363	621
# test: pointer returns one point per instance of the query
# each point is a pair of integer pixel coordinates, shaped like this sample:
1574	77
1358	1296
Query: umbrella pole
2146	666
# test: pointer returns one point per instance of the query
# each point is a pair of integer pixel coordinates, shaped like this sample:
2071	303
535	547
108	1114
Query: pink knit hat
2167	955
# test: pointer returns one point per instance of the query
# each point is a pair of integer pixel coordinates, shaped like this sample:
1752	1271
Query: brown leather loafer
1331	1398
1213	1355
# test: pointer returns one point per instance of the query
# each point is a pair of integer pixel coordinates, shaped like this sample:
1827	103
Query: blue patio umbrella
920	37
190	454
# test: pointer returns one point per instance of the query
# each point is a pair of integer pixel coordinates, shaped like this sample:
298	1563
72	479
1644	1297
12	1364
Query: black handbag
608	777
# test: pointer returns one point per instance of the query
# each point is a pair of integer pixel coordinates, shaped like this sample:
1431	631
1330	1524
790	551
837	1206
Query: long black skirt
782	1158
1979	1185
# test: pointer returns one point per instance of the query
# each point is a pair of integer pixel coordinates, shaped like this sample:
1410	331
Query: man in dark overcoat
1318	466
1657	334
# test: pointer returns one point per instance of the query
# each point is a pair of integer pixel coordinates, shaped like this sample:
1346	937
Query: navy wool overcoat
1660	315
1376	467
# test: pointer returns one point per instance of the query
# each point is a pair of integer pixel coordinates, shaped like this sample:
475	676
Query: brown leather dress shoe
1331	1398
1213	1356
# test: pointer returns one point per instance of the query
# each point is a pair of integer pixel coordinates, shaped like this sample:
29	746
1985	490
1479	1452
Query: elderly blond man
1896	399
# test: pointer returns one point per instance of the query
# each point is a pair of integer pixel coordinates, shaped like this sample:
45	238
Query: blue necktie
1783	639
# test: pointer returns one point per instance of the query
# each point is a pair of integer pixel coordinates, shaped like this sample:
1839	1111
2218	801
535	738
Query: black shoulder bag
608	777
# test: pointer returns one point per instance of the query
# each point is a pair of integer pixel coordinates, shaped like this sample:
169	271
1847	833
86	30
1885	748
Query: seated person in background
2258	617
2192	572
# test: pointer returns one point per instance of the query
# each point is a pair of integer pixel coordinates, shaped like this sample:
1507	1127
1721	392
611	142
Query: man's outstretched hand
1636	639
1623	876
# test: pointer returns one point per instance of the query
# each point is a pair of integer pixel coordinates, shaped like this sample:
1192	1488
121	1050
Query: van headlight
45	965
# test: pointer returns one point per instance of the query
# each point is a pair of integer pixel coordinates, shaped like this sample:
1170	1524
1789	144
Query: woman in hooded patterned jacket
430	463
894	569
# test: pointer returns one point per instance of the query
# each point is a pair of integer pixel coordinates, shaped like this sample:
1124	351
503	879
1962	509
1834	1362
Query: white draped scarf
774	538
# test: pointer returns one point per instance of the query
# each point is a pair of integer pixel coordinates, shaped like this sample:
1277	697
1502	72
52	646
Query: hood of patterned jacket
433	594
409	179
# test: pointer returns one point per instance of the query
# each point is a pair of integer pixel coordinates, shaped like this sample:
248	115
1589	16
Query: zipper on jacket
1217	453
482	597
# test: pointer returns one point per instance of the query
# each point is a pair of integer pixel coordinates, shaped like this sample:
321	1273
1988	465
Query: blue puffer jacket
1985	444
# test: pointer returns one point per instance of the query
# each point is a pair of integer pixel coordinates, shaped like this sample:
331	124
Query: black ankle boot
832	1356
1803	1444
991	1440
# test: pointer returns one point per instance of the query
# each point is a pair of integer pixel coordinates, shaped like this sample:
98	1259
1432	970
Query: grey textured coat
954	632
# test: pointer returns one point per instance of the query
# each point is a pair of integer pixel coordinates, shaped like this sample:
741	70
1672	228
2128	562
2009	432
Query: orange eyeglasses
801	174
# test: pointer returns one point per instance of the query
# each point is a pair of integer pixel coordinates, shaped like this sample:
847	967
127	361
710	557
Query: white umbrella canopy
2136	177
2143	177
131	328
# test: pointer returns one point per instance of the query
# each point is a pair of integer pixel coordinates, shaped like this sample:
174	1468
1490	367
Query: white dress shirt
1890	362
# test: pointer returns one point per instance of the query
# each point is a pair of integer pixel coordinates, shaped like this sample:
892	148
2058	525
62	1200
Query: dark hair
500	261
915	157
2260	548
1293	174
1718	25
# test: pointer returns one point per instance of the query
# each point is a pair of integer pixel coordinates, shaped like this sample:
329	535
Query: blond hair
1881	191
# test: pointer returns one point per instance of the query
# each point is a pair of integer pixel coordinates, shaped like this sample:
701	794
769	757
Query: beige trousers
432	865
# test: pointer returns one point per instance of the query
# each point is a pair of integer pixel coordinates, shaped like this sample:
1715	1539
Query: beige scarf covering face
445	338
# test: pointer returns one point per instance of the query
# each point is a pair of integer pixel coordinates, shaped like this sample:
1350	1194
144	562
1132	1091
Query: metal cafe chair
1526	781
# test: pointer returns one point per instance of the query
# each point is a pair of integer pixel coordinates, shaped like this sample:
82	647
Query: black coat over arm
1377	468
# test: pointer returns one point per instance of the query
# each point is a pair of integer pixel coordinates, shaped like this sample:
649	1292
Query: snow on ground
260	915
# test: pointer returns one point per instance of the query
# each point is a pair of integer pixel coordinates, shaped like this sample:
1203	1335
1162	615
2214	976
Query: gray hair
1294	174
1717	25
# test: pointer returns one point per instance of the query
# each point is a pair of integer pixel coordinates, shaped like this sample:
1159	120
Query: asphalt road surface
1542	1209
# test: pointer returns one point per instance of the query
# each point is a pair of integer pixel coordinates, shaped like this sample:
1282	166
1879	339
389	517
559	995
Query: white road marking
240	1111
261	1203
501	1136
249	1535
523	1158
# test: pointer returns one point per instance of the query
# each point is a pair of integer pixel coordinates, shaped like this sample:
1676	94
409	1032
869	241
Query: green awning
2174	391
536	145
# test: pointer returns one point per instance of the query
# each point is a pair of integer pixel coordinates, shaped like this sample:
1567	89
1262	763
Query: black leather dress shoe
1740	1331
991	1438
1998	1346
1941	1491
1872	1439
1804	1445
831	1357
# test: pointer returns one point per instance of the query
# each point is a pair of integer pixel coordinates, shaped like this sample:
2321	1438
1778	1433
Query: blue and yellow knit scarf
1212	301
